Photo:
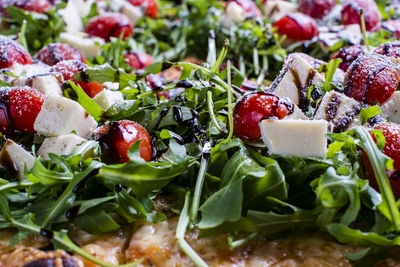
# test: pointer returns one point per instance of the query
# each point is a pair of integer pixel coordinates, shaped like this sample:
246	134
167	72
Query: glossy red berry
151	6
393	26
316	8
371	79
351	13
51	54
138	60
253	108
297	26
249	7
39	6
12	53
68	68
117	137
19	107
348	54
110	25
391	131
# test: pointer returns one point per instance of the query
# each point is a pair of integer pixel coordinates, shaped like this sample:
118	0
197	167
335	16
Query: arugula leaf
68	196
347	235
144	177
86	102
89	222
242	178
335	191
106	73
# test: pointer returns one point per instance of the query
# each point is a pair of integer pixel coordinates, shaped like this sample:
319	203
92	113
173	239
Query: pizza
199	133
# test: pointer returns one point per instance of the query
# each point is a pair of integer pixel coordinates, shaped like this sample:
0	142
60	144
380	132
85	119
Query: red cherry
297	26
19	107
253	108
393	26
68	68
249	7
371	79
109	25
138	60
117	137
151	6
391	131
348	54
351	13
39	6
11	53
51	54
316	8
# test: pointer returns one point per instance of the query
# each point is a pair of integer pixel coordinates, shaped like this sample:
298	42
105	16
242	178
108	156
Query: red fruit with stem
117	137
316	8
51	54
249	7
348	54
253	108
68	68
39	6
297	26
12	53
110	25
371	79
19	107
138	60
151	6
391	132
351	13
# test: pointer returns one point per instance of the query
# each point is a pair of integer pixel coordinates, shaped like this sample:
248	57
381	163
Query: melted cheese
156	244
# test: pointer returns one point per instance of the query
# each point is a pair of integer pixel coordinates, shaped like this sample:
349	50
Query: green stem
183	222
210	105
230	111
198	189
363	29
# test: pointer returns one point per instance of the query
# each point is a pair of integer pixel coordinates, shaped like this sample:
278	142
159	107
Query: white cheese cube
47	84
301	138
60	145
392	107
339	110
295	78
71	17
297	114
276	9
14	158
233	13
107	98
88	46
29	70
60	116
133	13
